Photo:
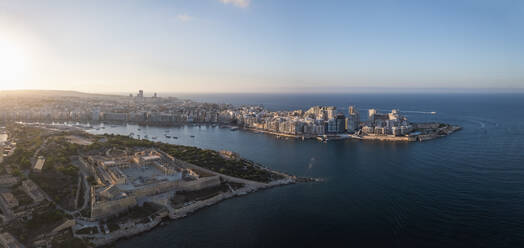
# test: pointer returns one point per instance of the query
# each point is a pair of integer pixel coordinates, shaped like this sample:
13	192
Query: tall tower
330	111
353	119
371	116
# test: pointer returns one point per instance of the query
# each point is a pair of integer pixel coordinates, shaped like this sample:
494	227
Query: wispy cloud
184	17
238	3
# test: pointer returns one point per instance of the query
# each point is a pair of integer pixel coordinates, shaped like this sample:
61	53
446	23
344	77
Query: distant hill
57	93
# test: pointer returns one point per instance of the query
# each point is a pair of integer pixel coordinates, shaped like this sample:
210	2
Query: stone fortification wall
103	209
201	183
179	185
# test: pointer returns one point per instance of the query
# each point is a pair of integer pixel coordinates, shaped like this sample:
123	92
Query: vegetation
141	214
44	219
59	179
59	171
66	239
87	230
208	159
21	196
113	226
91	180
183	197
28	140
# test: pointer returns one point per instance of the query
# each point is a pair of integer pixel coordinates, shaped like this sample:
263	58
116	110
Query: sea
464	190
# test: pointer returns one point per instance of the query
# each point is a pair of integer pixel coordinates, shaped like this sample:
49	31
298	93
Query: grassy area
59	179
60	187
212	160
208	159
66	240
28	140
21	196
139	214
43	220
58	171
183	197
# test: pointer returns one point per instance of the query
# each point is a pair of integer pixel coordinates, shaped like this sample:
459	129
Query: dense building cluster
124	178
316	121
386	124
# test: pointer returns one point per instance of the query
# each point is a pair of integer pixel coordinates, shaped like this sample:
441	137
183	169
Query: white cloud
238	3
184	17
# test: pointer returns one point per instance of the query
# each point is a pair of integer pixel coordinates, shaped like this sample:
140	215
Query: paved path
78	186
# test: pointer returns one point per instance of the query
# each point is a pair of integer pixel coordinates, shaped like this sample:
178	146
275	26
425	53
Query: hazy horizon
262	46
340	92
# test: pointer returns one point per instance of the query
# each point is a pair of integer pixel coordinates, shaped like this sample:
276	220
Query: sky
234	46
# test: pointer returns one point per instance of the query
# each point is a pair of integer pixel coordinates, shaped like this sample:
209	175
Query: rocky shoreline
438	133
170	213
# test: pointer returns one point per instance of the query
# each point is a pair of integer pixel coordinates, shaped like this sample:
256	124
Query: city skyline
236	46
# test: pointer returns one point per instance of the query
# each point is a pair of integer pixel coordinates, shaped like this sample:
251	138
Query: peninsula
318	122
63	187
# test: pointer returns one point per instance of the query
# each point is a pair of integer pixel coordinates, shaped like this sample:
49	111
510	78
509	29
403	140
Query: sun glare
12	65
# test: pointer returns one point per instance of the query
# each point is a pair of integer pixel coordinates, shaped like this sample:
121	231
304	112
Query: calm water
465	190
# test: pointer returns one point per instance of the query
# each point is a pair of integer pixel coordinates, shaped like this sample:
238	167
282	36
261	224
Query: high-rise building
340	121
330	111
331	126
394	115
95	114
353	121
140	94
371	115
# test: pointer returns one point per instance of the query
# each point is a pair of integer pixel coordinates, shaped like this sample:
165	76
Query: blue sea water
465	190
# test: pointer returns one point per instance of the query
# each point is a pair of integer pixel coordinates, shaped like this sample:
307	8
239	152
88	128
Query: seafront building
353	120
156	110
386	124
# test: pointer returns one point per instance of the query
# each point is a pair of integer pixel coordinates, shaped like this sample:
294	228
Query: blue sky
262	45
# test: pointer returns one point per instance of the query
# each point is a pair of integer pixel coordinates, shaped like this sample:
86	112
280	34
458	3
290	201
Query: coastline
389	138
168	212
450	129
171	214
